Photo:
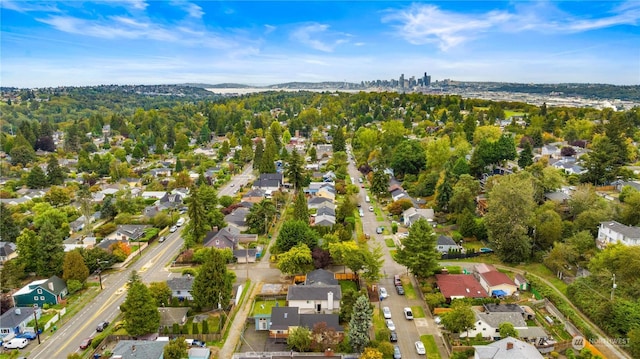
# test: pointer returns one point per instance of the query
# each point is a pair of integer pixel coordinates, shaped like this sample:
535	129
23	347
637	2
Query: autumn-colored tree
74	267
120	249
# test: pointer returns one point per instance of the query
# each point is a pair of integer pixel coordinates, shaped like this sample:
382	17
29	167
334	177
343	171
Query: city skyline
261	43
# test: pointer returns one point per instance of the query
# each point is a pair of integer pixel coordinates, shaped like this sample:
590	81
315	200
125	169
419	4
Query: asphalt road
409	331
152	267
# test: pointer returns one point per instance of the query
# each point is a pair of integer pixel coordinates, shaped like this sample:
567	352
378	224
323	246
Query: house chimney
509	345
330	301
215	228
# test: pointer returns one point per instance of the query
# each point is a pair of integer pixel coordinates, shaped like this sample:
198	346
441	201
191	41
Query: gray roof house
238	218
181	287
488	323
324	220
317	202
321	276
326	209
411	215
445	243
315	296
7	251
15	320
172	315
136	349
129	232
283	318
507	348
612	232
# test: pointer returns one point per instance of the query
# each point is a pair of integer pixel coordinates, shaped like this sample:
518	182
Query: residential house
506	348
494	282
15	320
172	315
136	349
44	291
488	323
324	220
129	232
269	186
320	294
569	166
153	194
272	177
7	251
284	319
326	210
620	184
329	177
521	282
181	287
254	196
317	202
238	218
446	243
313	188
327	192
14	201
247	255
230	237
551	151
458	286
411	215
323	150
612	232
399	194
160	172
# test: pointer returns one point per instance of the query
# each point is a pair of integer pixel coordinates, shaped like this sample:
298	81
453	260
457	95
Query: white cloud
269	28
317	36
24	7
191	9
422	24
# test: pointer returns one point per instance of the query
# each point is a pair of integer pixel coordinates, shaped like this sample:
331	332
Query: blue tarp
499	293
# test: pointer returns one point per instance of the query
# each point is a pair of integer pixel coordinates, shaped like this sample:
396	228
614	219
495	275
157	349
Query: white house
321	293
612	232
411	215
507	348
487	324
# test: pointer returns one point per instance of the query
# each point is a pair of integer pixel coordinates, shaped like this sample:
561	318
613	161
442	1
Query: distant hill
220	86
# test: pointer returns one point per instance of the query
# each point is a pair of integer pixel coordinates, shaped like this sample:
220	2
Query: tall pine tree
360	323
300	209
141	315
213	284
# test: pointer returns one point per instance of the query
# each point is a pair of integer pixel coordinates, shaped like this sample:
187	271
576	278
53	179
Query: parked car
379	230
386	312
16	343
27	335
420	348
390	324
393	337
85	343
162	239
383	293
102	326
396	280
408	313
198	343
437	319
370	208
400	290
396	352
173	229
486	250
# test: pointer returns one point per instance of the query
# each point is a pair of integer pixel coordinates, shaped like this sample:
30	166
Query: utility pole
35	317
613	287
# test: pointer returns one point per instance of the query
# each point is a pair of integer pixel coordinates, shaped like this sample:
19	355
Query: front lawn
389	242
431	347
418	311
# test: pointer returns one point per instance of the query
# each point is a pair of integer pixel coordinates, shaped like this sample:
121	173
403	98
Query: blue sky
48	43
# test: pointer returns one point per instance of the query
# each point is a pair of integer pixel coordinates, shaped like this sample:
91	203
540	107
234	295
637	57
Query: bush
74	285
105	229
190	271
97	340
194	328
205	327
176	328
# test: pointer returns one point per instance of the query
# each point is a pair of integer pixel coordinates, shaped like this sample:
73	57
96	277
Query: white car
173	229
383	293
408	313
16	343
420	348
370	208
386	312
390	324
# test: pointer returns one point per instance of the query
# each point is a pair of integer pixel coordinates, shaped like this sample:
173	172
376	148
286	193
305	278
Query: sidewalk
237	327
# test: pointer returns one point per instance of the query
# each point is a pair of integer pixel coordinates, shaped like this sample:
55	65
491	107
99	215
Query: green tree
198	224
293	233
28	245
176	349
602	163
296	261
257	155
338	143
74	267
55	175
11	274
444	192
8	227
438	152
299	339
360	323
139	309
161	293
22	155
108	209
464	194
380	183
408	157
36	178
294	171
507	329
347	302
267	164
213	285
460	318
300	209
418	252
260	215
57	196
511	204
526	155
51	248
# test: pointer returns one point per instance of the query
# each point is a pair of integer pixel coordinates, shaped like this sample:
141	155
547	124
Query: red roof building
457	286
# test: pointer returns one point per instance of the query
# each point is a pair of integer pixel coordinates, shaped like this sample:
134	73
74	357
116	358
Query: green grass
418	311
509	113
264	306
431	347
409	291
389	242
347	285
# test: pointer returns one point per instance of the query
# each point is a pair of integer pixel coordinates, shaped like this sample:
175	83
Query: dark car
27	335
102	326
85	343
400	290
393	337
198	343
